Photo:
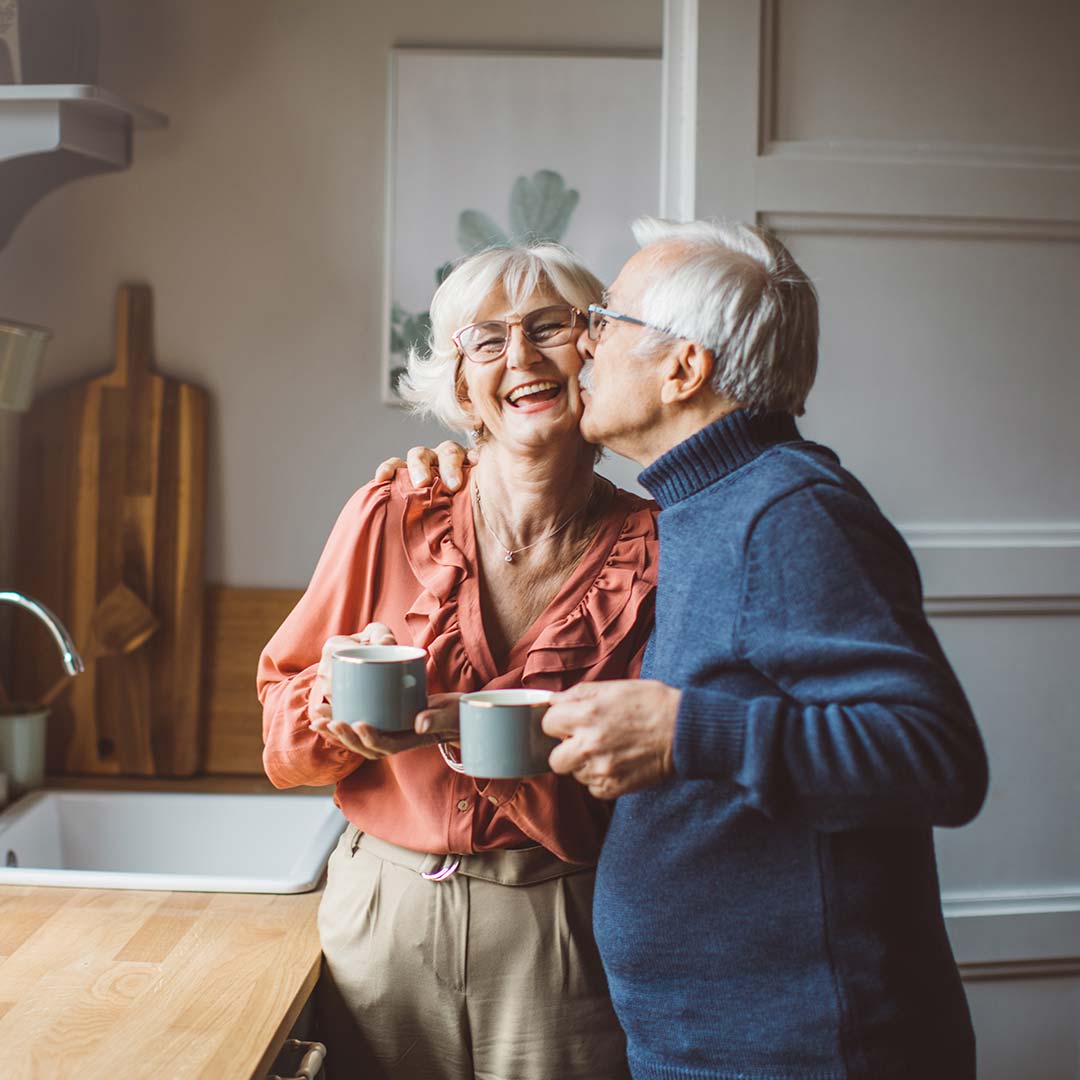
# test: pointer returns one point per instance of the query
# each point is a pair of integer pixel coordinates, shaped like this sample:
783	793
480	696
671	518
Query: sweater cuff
710	730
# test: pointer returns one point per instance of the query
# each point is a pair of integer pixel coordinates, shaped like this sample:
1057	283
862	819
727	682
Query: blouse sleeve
339	600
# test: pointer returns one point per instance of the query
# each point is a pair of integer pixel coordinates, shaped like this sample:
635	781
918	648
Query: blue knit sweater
773	910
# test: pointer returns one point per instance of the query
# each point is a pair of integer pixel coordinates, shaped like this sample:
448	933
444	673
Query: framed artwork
10	71
486	148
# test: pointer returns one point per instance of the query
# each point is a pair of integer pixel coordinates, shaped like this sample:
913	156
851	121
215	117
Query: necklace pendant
509	556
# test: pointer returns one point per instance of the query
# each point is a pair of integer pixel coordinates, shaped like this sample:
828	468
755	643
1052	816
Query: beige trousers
491	973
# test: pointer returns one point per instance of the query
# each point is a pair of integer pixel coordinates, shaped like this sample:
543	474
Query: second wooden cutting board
112	491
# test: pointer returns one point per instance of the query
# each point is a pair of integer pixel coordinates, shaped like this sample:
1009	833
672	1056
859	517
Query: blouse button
493	800
463	805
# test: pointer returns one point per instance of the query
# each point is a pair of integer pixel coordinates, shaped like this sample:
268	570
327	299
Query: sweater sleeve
340	599
867	724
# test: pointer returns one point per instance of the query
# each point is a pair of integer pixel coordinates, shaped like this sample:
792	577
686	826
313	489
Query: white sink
191	842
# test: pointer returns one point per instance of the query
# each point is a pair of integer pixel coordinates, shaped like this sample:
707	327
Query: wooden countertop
116	983
108	983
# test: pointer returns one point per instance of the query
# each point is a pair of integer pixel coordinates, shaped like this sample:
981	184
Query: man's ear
687	370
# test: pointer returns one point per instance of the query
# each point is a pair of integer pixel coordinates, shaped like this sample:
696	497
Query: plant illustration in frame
540	209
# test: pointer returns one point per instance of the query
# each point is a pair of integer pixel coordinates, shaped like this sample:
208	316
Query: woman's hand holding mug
437	723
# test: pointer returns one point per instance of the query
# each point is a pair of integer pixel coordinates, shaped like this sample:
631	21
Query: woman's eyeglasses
546	328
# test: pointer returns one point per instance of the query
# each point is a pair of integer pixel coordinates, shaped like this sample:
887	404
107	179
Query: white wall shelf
51	134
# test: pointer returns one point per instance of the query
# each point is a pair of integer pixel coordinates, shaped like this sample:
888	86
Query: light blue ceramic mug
501	737
381	685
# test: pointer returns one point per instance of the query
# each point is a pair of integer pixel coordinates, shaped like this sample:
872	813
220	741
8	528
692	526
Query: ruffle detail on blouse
611	607
427	535
606	614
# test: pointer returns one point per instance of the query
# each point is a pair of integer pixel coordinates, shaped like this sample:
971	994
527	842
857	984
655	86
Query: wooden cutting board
112	489
239	623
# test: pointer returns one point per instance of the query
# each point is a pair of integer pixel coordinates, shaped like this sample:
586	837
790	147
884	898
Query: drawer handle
314	1053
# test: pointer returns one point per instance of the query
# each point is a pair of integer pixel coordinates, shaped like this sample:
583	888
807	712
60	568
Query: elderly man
767	900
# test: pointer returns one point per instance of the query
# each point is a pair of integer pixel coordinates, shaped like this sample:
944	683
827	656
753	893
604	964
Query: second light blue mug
501	737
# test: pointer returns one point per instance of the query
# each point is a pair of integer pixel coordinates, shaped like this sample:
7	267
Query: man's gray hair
736	290
433	383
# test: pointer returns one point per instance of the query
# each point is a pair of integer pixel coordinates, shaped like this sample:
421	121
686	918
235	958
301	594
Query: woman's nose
586	347
520	351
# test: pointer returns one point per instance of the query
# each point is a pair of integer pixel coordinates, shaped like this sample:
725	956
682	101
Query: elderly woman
456	921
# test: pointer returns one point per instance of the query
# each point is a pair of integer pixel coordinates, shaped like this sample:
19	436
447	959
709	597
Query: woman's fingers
436	722
376	633
332	645
441	715
350	738
320	713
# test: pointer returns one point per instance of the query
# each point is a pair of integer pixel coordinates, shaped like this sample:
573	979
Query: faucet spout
73	662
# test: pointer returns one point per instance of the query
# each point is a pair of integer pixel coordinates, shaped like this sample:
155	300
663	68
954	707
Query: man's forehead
634	274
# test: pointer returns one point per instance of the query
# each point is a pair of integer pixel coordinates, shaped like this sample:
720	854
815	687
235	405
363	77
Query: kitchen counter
107	983
115	983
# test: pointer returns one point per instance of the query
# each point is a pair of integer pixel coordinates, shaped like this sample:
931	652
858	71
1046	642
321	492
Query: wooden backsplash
238	624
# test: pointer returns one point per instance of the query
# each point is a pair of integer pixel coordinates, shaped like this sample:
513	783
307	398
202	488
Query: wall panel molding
877	225
998	568
955	189
1019	929
1020	969
899	152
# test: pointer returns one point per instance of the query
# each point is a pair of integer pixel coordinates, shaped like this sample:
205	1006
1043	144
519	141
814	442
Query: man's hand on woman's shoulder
449	458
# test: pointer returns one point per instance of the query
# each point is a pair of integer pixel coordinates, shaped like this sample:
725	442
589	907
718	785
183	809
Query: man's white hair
736	290
433	383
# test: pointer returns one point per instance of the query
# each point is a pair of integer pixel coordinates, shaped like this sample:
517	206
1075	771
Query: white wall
257	217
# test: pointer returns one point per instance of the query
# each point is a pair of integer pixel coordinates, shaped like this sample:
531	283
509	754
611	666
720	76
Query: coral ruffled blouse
406	557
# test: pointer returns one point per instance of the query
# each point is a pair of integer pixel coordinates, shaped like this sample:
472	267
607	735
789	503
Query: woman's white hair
736	290
433	383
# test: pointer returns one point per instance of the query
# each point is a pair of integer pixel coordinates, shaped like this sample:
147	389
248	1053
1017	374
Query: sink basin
186	841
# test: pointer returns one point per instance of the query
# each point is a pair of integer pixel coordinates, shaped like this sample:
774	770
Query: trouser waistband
523	866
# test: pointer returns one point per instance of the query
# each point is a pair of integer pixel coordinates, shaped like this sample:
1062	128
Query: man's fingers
564	717
387	469
451	457
568	757
376	633
604	788
422	462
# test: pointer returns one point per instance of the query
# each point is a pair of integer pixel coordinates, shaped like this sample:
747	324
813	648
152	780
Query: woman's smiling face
529	396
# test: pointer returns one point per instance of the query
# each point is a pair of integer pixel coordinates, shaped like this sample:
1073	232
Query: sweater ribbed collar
711	453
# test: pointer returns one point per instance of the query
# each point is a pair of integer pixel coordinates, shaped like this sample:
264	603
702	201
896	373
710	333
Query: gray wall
258	219
922	160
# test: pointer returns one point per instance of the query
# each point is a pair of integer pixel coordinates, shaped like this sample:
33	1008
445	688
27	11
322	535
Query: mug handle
452	762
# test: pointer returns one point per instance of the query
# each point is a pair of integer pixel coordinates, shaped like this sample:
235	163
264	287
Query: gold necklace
511	552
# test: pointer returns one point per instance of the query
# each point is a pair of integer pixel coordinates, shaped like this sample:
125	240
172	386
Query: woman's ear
687	370
461	392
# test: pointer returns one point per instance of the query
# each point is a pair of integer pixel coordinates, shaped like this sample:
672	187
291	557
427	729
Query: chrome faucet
73	662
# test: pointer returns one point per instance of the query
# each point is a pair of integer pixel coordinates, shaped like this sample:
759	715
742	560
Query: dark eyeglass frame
575	314
598	315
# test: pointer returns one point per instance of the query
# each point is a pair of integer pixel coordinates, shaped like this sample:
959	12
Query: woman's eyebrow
605	298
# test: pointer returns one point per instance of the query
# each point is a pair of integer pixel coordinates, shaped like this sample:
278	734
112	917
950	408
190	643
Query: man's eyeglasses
598	317
546	328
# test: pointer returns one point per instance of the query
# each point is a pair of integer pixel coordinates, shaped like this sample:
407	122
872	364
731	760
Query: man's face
621	390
